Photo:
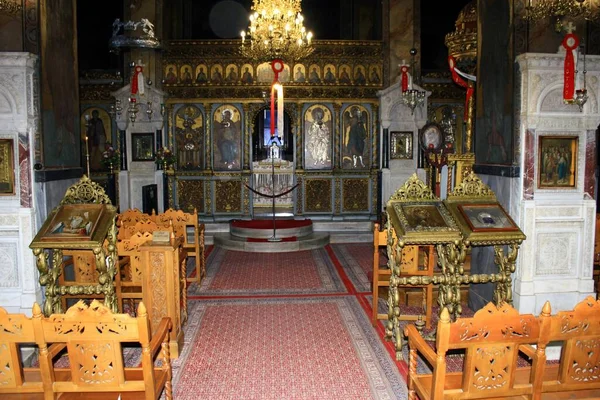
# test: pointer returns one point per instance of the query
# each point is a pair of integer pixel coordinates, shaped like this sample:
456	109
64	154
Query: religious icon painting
96	126
355	137
284	76
359	75
231	75
329	73
186	73
216	74
247	74
264	73
299	73
487	217
318	131
401	145
7	167
189	137
170	74
557	162
314	74
201	74
227	138
345	71
374	75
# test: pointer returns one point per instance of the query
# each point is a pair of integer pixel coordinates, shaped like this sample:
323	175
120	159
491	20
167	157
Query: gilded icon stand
470	216
483	222
83	228
417	217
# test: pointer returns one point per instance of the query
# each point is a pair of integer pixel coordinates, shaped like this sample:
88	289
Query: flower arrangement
110	157
165	157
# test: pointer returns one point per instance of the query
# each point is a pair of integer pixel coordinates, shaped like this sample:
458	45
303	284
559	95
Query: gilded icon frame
57	231
401	145
142	146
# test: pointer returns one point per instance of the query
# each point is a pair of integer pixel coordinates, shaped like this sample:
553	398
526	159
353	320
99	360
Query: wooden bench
491	341
93	337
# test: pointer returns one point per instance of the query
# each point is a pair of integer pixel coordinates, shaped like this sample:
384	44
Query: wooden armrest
528	350
416	341
56	348
163	330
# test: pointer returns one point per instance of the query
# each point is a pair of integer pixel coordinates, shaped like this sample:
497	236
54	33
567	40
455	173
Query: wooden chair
491	341
578	332
93	337
184	223
17	382
416	260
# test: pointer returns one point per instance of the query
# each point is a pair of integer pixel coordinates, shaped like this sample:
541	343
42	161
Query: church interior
379	183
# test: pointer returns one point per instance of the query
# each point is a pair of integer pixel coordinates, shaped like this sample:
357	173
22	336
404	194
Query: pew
491	340
93	337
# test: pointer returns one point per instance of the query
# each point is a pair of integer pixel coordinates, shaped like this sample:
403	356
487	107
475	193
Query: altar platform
253	236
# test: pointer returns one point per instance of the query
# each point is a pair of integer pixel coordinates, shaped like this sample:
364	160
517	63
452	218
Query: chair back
15	329
579	333
491	340
94	336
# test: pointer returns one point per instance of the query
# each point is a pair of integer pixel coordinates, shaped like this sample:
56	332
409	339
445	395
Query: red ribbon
134	79
570	43
404	72
461	82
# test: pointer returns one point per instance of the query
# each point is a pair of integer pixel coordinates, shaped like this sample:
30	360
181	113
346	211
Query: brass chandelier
541	9
276	31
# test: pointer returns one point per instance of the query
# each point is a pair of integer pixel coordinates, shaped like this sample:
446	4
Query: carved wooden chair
128	282
491	341
17	382
183	224
416	260
131	217
93	337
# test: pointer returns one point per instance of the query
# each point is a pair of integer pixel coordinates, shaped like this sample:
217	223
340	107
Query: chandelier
541	9
276	31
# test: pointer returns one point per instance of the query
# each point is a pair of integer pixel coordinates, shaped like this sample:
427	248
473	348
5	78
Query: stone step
309	242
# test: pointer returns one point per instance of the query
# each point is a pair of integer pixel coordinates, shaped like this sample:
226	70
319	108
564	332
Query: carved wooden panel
228	196
318	195
491	368
355	195
159	290
190	195
95	363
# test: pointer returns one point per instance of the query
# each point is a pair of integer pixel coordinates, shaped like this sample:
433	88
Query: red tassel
570	43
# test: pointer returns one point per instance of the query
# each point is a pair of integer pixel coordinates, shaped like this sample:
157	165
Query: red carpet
357	260
236	273
319	348
268	223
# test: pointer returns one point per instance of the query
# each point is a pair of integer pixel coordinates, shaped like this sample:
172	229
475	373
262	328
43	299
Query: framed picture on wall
7	170
142	146
557	162
401	145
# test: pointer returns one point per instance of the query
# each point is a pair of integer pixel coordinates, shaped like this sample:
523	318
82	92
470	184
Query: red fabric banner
570	43
134	79
460	82
404	77
277	66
